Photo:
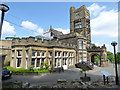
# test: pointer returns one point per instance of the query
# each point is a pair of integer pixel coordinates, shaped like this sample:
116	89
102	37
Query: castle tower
80	21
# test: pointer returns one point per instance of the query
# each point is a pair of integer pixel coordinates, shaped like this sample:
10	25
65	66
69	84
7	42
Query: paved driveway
69	75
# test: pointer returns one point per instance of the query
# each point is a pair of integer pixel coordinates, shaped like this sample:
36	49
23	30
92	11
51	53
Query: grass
22	70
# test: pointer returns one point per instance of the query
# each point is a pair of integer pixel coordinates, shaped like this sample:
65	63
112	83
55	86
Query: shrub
42	64
23	70
31	68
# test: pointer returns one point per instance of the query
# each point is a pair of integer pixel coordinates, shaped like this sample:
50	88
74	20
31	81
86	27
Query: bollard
104	79
107	80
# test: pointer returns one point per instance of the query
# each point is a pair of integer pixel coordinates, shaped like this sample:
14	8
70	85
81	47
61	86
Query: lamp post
4	8
114	44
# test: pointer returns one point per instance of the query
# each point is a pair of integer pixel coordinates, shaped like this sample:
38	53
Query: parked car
6	73
89	65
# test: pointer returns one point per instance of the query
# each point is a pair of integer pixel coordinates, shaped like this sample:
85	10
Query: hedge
22	70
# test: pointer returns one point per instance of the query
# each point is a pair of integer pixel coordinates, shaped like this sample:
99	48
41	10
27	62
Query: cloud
106	24
39	31
95	9
108	46
29	25
64	31
8	29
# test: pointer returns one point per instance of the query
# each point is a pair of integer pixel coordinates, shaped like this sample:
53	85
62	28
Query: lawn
22	70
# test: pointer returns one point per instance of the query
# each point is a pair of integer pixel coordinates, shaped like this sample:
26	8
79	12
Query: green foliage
92	44
97	57
31	68
22	70
42	64
84	69
118	57
7	63
110	56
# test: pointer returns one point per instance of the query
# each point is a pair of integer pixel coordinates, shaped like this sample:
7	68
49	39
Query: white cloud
8	29
95	9
108	46
29	25
106	24
64	31
39	31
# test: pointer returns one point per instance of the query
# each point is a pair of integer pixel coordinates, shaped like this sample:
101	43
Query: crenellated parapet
29	41
95	48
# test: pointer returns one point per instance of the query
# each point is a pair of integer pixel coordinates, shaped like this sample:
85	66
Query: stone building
63	50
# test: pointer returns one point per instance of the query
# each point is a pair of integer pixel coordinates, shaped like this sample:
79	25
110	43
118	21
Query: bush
42	64
23	70
31	68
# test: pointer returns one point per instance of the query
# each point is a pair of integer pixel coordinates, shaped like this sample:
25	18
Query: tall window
38	53
38	62
78	25
84	45
33	62
87	24
84	57
59	62
33	53
80	57
18	62
80	44
19	53
55	62
43	53
26	53
19	58
50	53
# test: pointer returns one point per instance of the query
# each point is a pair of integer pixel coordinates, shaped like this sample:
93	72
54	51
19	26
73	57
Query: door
65	63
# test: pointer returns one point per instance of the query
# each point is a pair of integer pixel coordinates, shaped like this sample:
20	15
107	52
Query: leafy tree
110	56
97	57
92	44
118	57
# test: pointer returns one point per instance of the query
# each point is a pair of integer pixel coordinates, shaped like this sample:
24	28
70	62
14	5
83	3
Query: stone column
29	57
23	62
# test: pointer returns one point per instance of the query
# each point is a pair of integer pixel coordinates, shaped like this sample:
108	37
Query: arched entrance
95	59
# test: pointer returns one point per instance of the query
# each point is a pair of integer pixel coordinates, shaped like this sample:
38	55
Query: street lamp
114	44
4	8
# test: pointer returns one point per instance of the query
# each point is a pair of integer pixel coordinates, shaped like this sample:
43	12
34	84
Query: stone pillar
53	59
23	62
15	59
29	57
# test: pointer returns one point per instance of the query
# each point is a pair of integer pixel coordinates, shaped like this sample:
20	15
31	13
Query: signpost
105	74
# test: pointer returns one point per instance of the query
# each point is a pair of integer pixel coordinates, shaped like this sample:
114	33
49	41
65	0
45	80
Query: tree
92	44
118	57
110	56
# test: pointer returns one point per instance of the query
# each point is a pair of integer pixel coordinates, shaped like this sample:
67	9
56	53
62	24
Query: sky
34	18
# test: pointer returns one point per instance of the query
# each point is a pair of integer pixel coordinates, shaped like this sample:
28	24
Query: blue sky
34	18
